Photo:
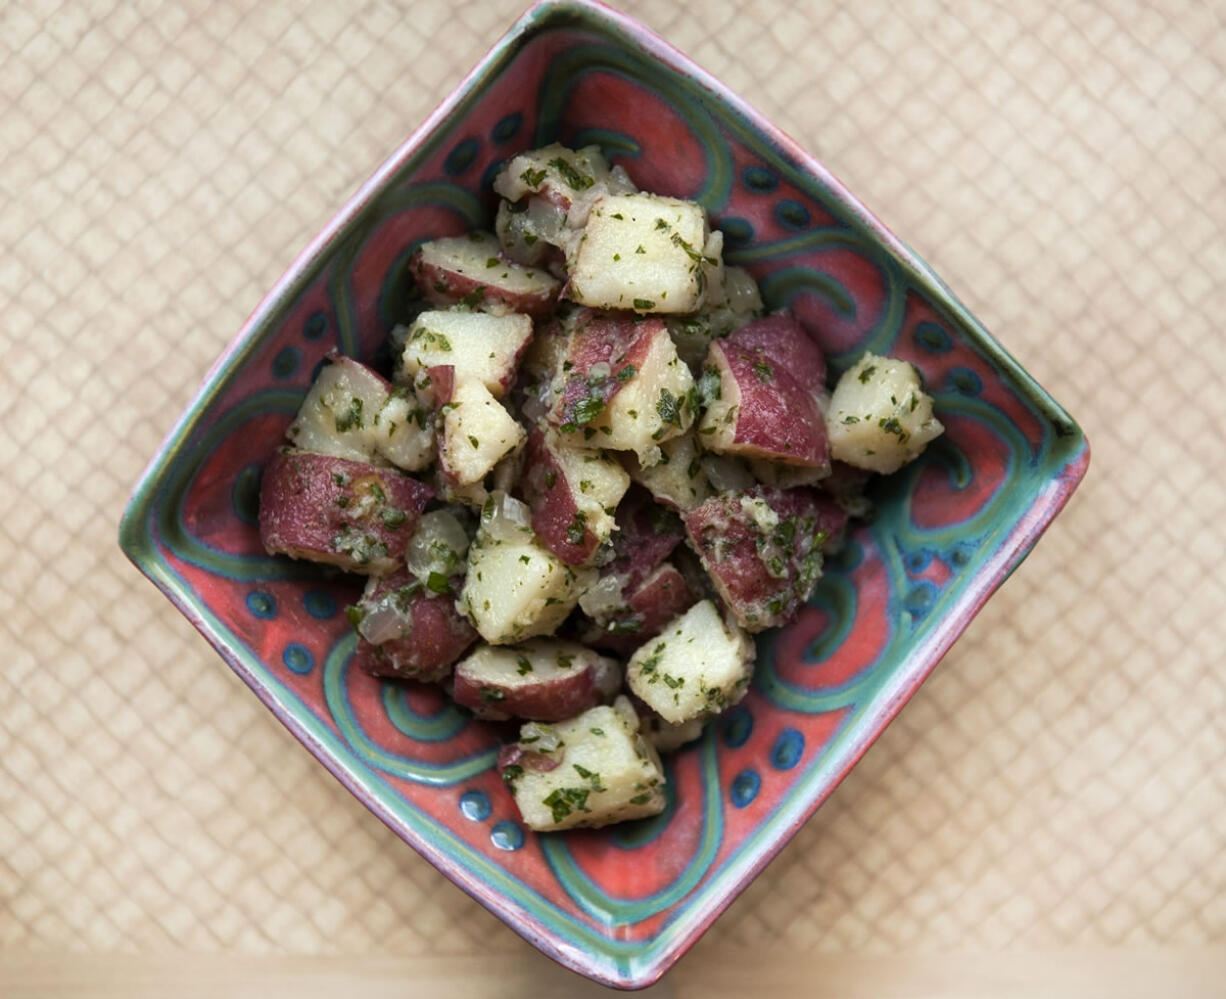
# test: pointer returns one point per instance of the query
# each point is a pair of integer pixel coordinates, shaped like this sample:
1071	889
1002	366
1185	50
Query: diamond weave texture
1060	781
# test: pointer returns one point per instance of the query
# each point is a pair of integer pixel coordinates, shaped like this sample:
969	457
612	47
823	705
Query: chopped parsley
350	418
523	666
564	800
575	179
644	303
532	177
867	373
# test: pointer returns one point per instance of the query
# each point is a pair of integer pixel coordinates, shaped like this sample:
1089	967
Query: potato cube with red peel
762	549
645	253
344	513
475	432
407	630
677	479
345	414
515	588
622	385
696	667
589	771
471	271
647	609
480	347
541	679
573	495
879	417
758	410
780	341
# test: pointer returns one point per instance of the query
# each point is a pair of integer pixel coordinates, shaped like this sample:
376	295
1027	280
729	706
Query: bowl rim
660	952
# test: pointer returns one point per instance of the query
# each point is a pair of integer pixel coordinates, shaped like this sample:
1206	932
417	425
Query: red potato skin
660	598
727	541
543	487
326	509
617	339
437	636
555	699
783	343
442	383
646	535
778	418
444	287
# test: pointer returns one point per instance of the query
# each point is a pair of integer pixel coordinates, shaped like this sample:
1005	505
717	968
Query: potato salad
594	470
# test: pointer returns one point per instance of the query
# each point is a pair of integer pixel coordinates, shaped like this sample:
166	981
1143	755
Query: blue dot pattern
745	787
788	749
319	604
475	805
262	604
507	836
298	659
737	726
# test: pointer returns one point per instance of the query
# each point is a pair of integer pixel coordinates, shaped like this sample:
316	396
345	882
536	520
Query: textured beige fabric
1060	782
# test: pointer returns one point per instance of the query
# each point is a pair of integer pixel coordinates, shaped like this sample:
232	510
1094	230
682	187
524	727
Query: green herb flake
438	583
532	177
644	303
763	371
575	179
523	666
351	417
867	373
626	373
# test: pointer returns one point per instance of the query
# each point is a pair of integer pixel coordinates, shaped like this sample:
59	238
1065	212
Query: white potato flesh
653	406
596	483
337	417
515	588
879	417
678	478
404	430
573	178
476	433
479	346
642	252
605	772
696	667
467	264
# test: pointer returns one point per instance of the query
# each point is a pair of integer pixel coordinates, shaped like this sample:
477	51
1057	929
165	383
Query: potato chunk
591	771
480	347
643	252
516	588
476	432
697	666
470	270
879	416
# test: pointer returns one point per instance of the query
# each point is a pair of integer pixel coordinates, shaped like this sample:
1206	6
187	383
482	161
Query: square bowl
621	904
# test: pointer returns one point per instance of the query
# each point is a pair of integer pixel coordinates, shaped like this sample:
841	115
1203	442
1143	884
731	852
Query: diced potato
570	178
696	667
480	347
762	549
677	479
541	679
515	588
350	514
759	410
590	771
476	432
643	252
621	385
407	630
573	494
470	270
351	412
879	416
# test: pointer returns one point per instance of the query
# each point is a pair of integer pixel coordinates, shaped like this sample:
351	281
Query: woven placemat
1060	781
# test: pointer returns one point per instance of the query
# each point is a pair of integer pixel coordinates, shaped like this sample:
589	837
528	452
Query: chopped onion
726	474
385	620
604	598
505	518
437	547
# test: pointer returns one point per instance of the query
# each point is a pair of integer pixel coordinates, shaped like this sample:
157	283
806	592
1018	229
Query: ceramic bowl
622	904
